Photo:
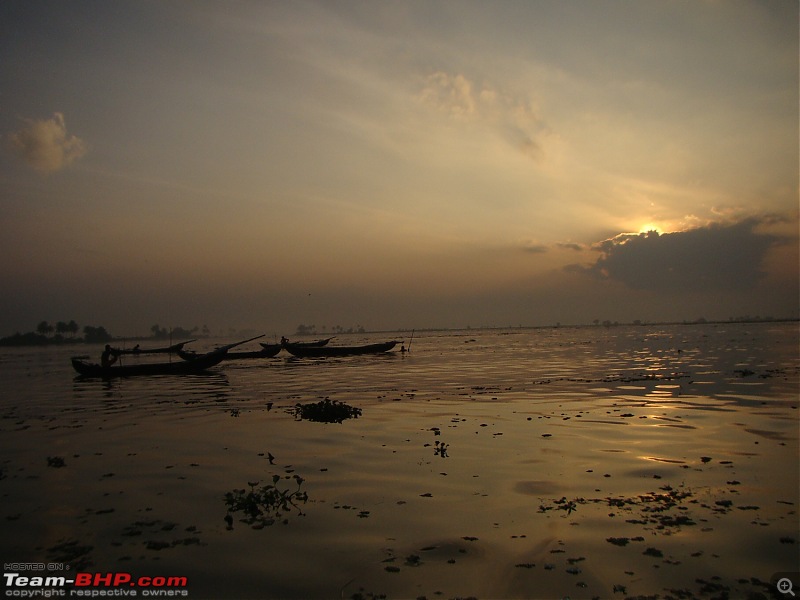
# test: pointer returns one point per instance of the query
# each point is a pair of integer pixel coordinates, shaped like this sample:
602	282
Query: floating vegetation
653	509
413	560
56	462
618	378
264	506
623	541
440	449
325	411
563	504
618	541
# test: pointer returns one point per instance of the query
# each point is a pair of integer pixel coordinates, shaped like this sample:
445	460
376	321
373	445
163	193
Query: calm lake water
545	463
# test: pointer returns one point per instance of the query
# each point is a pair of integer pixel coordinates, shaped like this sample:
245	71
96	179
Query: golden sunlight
647	227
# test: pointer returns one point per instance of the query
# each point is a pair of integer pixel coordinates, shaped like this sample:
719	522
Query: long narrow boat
201	363
268	351
320	351
313	344
173	349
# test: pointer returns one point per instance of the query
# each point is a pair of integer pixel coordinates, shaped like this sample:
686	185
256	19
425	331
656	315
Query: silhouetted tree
72	328
44	328
96	335
180	332
305	329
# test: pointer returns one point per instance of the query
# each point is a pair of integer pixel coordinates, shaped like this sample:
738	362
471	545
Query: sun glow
648	227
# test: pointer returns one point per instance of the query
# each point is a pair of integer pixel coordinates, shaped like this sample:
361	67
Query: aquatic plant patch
264	506
325	411
652	509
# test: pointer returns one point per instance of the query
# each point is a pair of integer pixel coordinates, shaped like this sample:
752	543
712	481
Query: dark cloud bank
717	257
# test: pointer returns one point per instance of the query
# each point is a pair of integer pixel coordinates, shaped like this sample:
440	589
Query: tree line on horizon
64	332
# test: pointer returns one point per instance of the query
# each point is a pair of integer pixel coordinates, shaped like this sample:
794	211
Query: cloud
45	145
571	246
534	248
451	94
720	256
515	120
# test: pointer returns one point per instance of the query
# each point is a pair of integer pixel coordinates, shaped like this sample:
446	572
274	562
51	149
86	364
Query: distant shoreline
606	324
36	339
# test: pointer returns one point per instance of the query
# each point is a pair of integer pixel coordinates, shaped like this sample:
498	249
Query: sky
404	164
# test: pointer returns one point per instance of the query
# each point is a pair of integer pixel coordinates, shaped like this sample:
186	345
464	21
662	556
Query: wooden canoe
201	363
173	349
322	351
268	351
312	344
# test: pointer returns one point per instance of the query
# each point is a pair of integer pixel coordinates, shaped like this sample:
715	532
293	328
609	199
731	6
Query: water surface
524	463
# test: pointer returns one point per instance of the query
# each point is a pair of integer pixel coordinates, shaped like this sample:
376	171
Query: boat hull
173	349
323	351
201	363
269	351
284	344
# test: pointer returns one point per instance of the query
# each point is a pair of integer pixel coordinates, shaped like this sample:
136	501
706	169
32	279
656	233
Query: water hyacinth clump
263	506
325	411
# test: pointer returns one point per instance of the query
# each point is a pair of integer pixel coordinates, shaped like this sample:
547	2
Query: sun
648	227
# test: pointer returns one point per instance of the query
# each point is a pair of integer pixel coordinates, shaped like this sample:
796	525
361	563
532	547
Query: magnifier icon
784	586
